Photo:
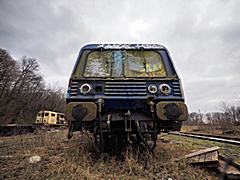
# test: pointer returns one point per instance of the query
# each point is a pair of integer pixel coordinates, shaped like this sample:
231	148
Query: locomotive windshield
98	64
124	63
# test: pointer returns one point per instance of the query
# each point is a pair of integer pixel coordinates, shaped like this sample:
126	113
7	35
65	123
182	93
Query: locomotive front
127	90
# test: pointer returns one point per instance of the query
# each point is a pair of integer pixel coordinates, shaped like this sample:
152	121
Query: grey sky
202	36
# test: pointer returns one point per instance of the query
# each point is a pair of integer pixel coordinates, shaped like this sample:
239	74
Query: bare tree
23	92
230	112
195	118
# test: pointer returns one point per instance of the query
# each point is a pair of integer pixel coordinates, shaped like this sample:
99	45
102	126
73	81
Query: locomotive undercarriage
121	128
129	131
128	126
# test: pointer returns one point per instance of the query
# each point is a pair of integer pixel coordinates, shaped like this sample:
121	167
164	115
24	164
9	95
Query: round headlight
152	88
85	88
165	89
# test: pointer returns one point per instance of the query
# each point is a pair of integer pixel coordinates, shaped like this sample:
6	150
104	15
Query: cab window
98	64
143	64
124	63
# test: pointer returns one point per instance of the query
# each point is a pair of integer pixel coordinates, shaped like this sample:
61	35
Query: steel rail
207	137
211	135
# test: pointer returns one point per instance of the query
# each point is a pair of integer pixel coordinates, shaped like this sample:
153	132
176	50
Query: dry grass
78	159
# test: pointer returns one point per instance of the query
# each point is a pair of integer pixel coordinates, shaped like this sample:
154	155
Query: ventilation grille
176	88
125	88
74	88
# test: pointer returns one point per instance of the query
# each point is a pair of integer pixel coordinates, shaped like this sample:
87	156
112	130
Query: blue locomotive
130	91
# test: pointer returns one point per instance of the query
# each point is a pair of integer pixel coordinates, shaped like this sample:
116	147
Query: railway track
211	158
228	140
216	136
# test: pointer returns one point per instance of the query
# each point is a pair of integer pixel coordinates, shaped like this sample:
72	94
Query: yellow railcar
50	118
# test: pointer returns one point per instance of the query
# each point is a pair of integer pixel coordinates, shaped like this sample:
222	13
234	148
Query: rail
209	137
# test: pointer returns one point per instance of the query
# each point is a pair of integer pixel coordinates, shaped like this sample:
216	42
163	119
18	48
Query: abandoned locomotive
127	90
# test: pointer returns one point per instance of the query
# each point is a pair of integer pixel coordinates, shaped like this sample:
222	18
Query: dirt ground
79	159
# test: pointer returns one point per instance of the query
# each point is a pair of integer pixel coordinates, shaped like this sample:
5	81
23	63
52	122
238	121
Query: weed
78	158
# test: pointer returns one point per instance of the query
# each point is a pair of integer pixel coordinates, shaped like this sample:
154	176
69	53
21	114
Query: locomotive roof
123	46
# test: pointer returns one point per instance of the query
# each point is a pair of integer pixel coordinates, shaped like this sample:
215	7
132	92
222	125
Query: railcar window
98	64
143	64
128	63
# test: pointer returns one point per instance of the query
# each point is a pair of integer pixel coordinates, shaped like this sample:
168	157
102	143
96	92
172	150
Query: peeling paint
130	46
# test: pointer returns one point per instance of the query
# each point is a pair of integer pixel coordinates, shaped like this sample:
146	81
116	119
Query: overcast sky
203	38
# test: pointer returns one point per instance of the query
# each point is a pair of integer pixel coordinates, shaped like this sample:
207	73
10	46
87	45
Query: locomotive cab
125	89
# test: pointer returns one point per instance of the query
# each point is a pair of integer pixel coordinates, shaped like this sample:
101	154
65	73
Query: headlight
85	88
152	88
165	89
